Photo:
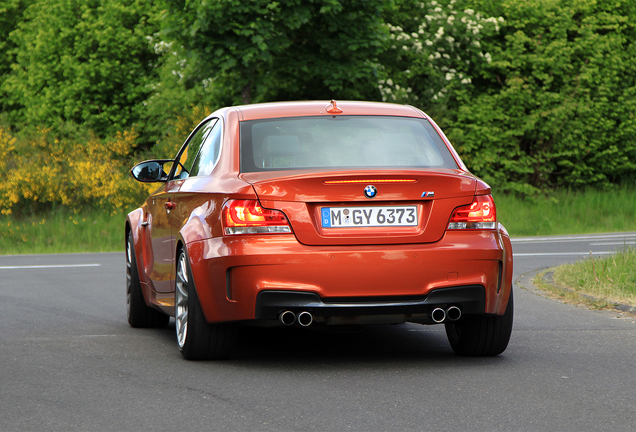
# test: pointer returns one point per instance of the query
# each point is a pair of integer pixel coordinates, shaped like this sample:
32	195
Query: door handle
169	205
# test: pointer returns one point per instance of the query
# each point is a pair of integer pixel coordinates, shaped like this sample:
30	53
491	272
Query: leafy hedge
534	95
541	95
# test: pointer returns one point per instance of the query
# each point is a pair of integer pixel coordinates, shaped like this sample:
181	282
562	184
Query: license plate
377	216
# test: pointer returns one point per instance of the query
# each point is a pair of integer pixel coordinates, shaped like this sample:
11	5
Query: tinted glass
363	142
191	149
209	153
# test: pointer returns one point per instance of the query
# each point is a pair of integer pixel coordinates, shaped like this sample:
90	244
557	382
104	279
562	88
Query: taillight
248	217
481	214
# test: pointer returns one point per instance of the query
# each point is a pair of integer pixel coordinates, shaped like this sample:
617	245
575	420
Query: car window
188	153
209	153
365	142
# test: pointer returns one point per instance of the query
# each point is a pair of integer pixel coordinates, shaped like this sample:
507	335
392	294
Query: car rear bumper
258	277
271	304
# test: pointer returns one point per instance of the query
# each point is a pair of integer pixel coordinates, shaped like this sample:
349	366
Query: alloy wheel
181	300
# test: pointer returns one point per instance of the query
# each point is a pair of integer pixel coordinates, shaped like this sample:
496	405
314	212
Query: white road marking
561	253
29	267
626	237
613	243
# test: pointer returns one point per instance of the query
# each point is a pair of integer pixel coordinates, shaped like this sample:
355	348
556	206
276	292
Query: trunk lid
330	208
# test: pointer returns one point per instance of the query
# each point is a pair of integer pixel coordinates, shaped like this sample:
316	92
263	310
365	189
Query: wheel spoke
181	300
128	275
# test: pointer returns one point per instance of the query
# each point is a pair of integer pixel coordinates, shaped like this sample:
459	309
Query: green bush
541	94
86	62
535	95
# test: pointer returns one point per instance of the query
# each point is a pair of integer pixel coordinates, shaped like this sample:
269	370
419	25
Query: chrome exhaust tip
453	313
305	319
438	315
287	318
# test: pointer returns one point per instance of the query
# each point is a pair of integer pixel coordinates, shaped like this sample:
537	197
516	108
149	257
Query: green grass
597	282
569	212
566	212
62	231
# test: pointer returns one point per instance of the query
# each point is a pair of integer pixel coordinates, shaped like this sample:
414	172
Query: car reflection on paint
317	214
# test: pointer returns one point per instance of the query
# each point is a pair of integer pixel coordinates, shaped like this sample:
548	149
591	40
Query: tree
561	107
10	16
534	94
253	51
91	65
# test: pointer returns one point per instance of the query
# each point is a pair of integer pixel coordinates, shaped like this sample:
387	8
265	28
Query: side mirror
151	171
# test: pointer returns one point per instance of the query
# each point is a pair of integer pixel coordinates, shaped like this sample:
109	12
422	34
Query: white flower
466	81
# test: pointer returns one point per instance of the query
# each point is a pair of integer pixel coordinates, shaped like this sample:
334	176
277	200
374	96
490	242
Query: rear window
321	142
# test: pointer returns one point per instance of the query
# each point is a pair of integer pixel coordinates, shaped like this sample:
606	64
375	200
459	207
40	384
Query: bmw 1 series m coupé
317	214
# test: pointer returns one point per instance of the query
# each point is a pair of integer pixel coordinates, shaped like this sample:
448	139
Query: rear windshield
321	142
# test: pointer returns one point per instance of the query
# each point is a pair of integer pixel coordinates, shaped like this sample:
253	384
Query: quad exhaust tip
452	313
287	318
305	319
438	315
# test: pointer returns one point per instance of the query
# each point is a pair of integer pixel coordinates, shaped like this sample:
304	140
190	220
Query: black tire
481	335
140	315
197	339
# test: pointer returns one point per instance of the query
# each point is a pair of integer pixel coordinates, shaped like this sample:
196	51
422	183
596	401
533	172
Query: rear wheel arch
183	245
197	339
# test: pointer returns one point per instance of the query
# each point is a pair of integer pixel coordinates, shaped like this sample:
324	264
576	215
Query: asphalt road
69	361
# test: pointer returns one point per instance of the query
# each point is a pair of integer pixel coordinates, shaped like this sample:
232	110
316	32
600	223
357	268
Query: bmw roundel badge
370	191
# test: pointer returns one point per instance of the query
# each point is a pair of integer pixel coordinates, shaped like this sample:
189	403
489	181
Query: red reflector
481	214
248	217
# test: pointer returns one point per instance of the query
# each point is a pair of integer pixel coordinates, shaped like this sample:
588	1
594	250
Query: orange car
317	213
